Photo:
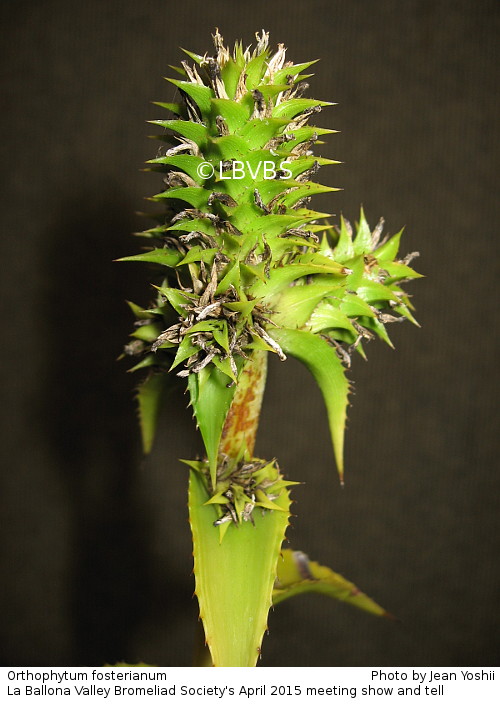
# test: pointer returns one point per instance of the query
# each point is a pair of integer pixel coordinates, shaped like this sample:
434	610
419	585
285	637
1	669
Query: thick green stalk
235	576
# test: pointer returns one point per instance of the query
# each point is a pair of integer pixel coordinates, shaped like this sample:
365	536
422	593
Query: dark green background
95	542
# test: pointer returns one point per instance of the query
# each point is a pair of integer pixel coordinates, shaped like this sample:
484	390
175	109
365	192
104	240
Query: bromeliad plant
247	269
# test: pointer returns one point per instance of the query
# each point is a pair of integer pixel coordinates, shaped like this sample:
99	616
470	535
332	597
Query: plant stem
240	428
243	417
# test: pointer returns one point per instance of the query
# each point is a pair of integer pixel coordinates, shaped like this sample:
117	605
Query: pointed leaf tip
211	399
150	396
297	575
325	366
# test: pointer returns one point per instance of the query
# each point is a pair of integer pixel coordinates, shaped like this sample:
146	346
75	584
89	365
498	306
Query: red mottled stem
243	417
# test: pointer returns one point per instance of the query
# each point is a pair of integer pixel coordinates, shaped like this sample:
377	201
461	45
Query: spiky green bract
297	575
211	398
242	263
235	577
150	395
242	485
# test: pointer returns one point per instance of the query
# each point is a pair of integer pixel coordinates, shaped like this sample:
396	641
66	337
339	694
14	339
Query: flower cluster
244	263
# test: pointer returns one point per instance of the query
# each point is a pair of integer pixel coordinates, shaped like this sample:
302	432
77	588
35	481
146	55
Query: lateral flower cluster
245	263
243	486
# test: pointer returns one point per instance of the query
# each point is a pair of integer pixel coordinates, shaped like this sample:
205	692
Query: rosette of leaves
247	267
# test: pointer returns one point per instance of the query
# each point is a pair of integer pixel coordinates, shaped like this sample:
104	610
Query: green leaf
194	131
273	224
211	399
290	108
363	239
258	132
399	270
344	249
201	95
325	366
195	57
150	233
305	190
199	254
148	361
230	75
220	334
185	350
403	310
377	327
177	69
281	277
305	133
150	394
254	70
230	147
186	162
371	291
297	303
269	188
243	307
233	113
224	365
298	166
280	76
389	250
176	298
196	196
169	258
327	315
238	54
230	278
269	92
234	578
298	575
202	225
138	311
218	328
173	107
352	305
250	272
148	333
316	259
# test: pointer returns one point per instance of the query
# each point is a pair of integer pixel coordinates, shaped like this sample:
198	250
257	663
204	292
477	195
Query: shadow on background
92	430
